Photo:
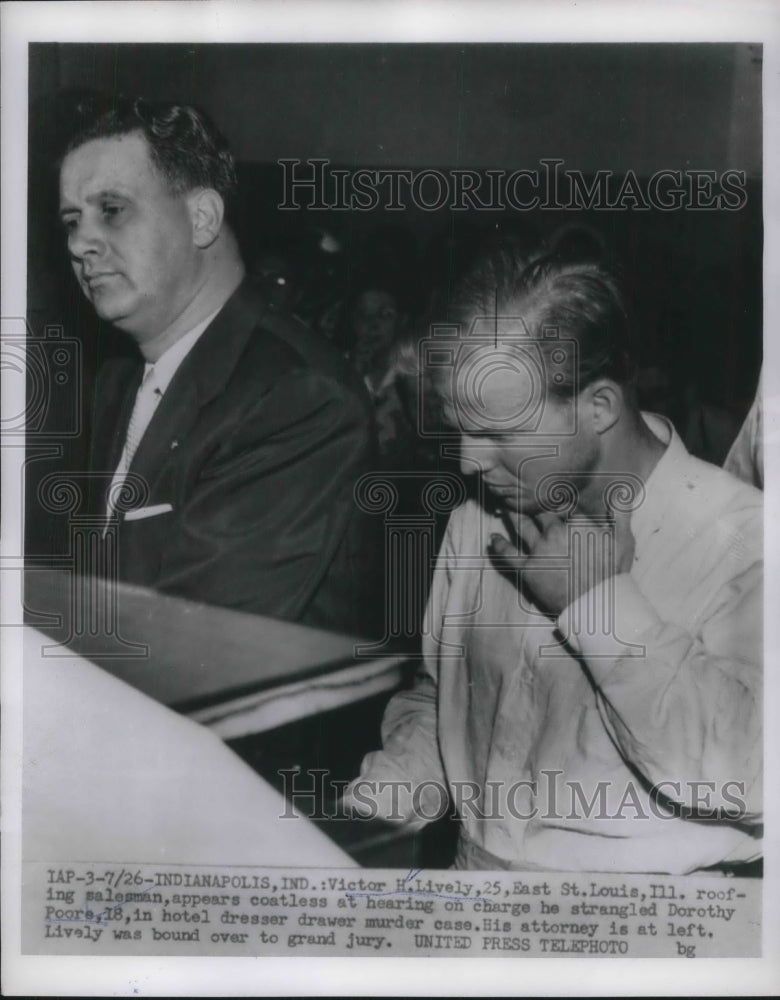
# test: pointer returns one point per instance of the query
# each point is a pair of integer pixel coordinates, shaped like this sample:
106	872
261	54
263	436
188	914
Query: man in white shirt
233	441
590	696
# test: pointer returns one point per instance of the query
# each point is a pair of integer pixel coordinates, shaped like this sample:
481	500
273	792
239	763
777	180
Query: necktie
146	401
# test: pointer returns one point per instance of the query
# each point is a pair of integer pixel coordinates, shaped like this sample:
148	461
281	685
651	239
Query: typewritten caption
153	909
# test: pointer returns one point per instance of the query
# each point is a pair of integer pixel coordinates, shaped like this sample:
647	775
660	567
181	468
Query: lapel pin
174	444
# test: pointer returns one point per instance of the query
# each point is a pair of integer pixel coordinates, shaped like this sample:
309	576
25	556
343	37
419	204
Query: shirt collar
166	366
670	474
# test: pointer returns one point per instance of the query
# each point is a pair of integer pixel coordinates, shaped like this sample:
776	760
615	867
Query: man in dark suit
236	438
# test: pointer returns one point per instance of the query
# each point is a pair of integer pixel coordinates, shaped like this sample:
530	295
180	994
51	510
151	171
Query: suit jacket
248	470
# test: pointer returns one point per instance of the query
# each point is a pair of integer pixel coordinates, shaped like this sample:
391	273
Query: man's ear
207	212
607	402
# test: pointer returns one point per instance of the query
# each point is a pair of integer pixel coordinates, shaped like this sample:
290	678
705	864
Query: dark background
695	276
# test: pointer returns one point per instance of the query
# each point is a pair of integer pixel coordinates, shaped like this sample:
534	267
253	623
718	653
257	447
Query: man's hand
559	559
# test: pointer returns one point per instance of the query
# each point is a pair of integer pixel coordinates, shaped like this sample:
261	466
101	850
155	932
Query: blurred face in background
376	323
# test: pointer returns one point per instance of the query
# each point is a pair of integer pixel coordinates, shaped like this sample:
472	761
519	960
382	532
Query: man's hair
564	292
185	145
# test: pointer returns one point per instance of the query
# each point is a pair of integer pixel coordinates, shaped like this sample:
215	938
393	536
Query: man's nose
85	239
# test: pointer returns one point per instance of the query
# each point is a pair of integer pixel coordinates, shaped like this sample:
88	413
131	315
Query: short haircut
185	145
566	287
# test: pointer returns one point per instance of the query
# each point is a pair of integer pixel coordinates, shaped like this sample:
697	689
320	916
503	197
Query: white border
324	20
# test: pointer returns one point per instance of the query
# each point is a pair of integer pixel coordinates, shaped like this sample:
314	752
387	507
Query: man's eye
70	223
112	212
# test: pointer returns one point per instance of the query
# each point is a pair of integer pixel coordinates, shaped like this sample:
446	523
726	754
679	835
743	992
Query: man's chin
108	309
108	296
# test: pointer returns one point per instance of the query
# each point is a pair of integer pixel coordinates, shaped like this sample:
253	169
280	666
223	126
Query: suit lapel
201	376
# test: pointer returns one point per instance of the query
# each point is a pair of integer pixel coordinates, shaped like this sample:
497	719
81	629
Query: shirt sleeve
683	709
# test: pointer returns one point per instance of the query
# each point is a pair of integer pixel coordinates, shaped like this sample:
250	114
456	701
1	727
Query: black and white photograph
388	403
